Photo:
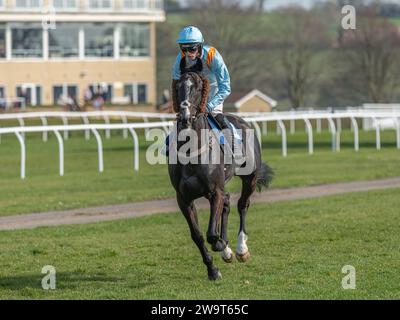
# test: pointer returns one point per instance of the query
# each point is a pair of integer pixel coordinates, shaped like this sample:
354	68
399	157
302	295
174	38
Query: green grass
395	21
298	249
82	185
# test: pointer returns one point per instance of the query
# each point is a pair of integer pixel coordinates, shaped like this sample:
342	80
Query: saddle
221	138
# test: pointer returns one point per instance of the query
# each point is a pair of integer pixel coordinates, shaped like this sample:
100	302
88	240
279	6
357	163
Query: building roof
238	98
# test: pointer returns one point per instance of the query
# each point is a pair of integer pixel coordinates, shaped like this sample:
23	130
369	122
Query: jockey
191	43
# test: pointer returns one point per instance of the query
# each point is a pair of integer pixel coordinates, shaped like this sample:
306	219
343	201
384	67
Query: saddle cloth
217	131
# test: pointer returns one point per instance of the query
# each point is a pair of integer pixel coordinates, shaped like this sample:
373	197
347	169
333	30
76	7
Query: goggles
190	48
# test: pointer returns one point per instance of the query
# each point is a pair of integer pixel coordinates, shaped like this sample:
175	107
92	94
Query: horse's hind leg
226	254
249	184
189	211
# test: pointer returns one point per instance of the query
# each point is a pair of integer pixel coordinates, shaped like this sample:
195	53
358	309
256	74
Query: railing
84	6
334	122
19	131
85	116
331	118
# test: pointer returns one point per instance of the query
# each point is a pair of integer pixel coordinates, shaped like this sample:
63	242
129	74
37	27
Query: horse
192	181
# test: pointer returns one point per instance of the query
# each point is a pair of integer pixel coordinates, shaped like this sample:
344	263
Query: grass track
82	185
298	249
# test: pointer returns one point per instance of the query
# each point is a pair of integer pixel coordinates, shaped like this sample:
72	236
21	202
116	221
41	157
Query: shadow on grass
67	280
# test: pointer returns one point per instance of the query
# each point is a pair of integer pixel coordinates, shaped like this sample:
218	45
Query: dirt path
115	212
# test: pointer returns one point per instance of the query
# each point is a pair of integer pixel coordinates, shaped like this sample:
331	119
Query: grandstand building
75	48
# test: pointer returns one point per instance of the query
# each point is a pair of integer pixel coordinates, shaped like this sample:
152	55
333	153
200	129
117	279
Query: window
66	90
28	4
61	5
143	4
142	93
2	41
103	89
128	91
100	4
134	40
137	92
158	4
3	102
31	93
99	40
26	40
64	41
136	4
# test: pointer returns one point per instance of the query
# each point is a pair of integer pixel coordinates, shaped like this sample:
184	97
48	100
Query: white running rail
334	121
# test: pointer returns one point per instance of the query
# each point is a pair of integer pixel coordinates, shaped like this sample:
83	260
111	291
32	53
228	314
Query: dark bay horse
195	180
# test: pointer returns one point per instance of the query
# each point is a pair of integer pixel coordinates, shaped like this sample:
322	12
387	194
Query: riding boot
224	124
237	151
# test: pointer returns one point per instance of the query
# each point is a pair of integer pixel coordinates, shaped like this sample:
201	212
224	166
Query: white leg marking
227	253
242	247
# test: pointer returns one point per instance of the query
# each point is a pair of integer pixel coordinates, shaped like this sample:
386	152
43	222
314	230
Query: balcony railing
83	6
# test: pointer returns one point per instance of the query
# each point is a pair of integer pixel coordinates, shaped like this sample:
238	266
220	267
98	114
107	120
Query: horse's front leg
213	236
189	211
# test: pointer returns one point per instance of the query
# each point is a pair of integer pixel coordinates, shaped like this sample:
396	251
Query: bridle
200	107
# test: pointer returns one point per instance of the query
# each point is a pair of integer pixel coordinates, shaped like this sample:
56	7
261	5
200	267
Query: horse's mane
196	70
204	93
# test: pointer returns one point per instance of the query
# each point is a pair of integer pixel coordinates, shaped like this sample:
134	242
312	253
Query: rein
204	94
200	111
198	116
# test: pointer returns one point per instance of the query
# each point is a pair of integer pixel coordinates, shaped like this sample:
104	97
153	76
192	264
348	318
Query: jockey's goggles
190	48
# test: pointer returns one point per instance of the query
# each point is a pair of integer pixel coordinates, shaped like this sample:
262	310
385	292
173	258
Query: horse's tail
264	175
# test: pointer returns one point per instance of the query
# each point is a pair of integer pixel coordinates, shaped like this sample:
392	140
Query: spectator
88	96
104	91
98	102
165	96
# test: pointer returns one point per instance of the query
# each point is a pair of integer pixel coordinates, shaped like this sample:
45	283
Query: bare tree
234	31
372	51
301	37
260	5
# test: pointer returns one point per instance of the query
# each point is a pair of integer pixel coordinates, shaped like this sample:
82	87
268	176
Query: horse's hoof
243	257
227	255
228	260
215	274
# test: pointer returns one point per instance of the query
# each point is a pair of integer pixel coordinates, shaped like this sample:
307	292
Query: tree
172	5
260	4
235	32
302	35
372	50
